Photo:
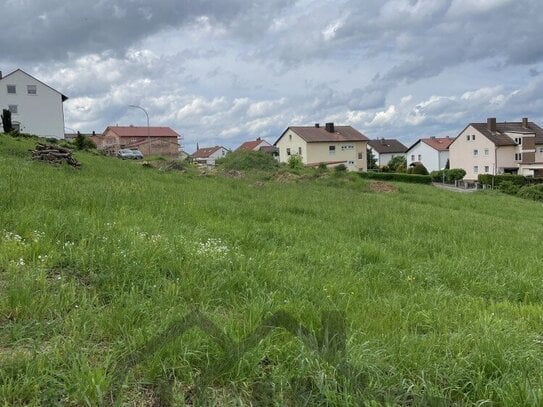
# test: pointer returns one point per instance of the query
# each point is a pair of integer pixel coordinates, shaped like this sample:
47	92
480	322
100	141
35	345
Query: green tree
418	169
6	121
398	164
372	161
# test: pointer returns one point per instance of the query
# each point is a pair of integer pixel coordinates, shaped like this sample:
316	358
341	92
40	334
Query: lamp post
148	129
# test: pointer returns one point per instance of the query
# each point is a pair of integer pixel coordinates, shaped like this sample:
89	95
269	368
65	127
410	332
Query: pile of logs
54	155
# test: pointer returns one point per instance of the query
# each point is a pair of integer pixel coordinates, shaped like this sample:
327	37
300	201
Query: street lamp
148	129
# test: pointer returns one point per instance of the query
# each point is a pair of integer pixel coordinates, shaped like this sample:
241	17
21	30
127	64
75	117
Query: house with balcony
331	145
498	148
36	108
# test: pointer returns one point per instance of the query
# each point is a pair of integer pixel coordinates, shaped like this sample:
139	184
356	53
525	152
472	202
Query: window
518	140
467	137
541	149
473	137
475	169
290	137
299	150
486	151
412	157
347	147
475	153
13	109
518	156
288	151
31	89
486	169
12	89
420	157
360	156
331	150
350	162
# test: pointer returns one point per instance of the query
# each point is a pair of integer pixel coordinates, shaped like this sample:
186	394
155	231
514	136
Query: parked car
137	154
125	154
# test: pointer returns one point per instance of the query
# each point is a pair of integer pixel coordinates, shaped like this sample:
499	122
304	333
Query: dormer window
12	89
518	140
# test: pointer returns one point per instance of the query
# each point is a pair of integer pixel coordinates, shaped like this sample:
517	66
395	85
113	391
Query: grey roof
384	146
312	134
499	137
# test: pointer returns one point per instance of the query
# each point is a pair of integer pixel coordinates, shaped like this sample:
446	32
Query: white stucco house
330	145
385	150
432	152
36	108
208	155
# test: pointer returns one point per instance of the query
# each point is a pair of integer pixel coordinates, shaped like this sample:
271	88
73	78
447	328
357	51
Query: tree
398	164
417	168
6	121
372	161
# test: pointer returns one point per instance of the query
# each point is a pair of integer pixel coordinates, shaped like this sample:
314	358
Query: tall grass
442	292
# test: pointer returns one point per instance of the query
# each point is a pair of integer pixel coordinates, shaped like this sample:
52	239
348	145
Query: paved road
453	188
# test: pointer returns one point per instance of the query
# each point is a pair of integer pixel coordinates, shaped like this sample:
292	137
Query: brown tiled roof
312	134
499	137
384	146
269	149
205	152
133	131
249	145
438	143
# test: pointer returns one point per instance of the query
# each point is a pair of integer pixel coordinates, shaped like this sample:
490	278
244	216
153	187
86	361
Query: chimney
258	139
330	127
525	122
317	125
491	123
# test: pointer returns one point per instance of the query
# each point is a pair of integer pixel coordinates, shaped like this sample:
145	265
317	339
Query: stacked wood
54	155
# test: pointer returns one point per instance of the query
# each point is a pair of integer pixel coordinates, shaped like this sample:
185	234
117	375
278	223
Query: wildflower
20	262
68	245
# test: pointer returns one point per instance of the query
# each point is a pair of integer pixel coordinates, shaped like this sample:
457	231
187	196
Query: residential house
331	145
35	107
497	148
385	150
208	155
259	145
432	152
161	141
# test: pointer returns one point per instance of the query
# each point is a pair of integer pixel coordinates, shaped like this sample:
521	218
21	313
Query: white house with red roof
35	107
254	145
432	152
161	141
208	155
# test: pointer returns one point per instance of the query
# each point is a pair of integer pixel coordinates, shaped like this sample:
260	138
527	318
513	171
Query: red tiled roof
438	143
205	152
133	131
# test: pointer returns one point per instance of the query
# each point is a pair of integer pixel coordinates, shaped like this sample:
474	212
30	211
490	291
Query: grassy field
440	294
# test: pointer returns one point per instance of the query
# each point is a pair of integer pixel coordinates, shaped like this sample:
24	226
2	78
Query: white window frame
31	90
476	169
13	87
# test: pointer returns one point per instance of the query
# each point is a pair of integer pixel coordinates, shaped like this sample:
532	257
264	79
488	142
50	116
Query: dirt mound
380	186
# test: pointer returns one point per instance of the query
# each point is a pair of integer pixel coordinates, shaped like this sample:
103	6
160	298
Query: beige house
331	145
497	148
161	141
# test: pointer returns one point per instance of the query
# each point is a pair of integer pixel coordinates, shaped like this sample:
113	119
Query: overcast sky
221	72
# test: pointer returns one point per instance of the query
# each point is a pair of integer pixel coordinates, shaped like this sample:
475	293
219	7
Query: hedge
394	176
534	192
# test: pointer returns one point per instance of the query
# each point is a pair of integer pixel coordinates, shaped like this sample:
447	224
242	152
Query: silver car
137	155
125	154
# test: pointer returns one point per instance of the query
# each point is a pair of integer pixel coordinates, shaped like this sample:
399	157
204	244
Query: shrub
322	167
486	179
418	169
398	164
454	174
391	176
508	187
534	192
340	168
295	161
6	121
437	176
247	160
83	143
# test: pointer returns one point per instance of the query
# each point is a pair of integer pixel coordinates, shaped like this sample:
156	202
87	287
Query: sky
220	72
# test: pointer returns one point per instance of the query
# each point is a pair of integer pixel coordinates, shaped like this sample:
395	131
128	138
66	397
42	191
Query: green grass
442	292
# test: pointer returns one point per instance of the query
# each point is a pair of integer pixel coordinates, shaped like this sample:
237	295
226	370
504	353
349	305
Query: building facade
385	150
36	108
161	141
432	152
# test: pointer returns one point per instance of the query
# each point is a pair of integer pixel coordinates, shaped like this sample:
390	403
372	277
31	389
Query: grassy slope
442	292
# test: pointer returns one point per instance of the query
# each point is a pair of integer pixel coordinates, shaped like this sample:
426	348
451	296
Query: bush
418	169
247	160
83	143
322	167
392	176
398	164
533	192
437	176
340	168
486	179
450	176
508	187
295	161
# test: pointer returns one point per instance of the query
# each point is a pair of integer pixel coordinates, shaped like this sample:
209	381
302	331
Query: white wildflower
212	247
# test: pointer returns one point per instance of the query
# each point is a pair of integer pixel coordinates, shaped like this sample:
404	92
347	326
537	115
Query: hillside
441	293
